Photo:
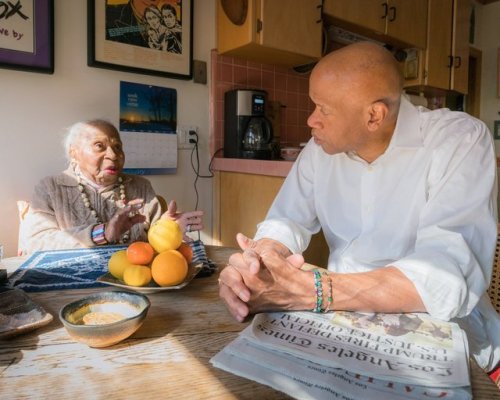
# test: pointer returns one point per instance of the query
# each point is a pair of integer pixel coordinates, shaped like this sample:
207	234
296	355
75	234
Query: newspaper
304	379
346	354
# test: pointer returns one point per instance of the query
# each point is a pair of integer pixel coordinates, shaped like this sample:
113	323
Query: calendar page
148	126
145	150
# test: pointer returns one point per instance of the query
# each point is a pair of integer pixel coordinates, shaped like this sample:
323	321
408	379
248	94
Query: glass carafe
257	135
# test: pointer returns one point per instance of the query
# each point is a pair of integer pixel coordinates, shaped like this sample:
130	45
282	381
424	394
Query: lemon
137	275
165	234
117	264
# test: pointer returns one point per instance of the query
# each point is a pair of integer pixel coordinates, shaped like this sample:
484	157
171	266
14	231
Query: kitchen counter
261	167
258	167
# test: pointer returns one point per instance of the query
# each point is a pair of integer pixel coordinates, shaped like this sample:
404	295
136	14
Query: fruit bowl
106	318
152	287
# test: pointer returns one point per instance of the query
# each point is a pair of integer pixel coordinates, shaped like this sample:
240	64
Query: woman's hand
188	221
124	219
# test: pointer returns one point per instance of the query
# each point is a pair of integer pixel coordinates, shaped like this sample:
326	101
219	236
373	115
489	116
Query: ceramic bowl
106	318
290	153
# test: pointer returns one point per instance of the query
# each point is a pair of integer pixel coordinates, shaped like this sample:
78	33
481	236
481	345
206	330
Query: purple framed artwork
153	37
27	35
498	72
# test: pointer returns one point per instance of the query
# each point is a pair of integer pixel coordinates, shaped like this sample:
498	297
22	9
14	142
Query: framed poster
27	35
498	72
153	37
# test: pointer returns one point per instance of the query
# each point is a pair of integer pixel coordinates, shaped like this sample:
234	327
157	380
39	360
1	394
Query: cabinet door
365	13
232	34
291	25
439	48
407	21
244	200
460	46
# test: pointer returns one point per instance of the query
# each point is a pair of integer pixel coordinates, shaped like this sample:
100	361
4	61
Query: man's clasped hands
265	276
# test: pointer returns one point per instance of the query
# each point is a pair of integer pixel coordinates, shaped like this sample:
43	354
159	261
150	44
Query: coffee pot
247	131
257	138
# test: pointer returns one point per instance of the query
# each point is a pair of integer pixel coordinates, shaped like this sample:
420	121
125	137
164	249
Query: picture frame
27	36
496	130
498	72
121	38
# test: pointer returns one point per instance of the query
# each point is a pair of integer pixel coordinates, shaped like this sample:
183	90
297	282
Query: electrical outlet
183	136
199	71
193	134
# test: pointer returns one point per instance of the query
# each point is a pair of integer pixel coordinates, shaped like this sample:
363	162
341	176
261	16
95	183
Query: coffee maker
247	132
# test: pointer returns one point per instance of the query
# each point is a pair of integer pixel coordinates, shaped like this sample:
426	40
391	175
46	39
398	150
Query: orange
141	253
137	275
186	250
165	234
169	268
117	263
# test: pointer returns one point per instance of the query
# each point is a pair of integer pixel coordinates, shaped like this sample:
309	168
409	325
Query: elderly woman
92	202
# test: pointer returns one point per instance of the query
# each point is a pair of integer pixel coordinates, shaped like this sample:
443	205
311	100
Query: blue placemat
79	268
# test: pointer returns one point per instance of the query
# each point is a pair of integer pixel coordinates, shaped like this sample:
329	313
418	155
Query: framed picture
153	37
498	72
496	130
27	35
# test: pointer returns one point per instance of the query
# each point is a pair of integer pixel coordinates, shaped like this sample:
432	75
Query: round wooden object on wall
236	10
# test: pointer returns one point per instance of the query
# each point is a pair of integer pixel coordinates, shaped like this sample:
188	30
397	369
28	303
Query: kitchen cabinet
285	32
444	65
400	21
448	49
242	201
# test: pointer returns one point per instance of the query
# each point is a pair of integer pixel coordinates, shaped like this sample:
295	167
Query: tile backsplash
287	95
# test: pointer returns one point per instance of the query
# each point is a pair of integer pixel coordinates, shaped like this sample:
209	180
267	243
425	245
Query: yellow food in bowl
101	318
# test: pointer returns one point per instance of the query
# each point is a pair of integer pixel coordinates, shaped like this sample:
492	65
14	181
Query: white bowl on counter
290	153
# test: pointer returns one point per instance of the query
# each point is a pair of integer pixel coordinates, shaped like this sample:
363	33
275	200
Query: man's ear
377	112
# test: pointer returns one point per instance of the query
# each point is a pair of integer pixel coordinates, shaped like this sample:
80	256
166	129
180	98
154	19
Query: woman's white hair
75	132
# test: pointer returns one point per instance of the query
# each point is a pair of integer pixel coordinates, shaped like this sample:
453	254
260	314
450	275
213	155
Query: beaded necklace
86	201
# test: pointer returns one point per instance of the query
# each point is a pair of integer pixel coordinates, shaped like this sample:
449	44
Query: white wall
488	30
36	108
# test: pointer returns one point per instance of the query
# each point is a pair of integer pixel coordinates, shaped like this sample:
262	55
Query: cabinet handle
450	62
259	25
320	8
458	62
386	10
393	17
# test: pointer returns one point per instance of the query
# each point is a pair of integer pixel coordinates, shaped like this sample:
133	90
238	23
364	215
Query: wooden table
168	357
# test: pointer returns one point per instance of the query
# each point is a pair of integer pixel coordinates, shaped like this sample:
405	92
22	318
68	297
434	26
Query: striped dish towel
200	255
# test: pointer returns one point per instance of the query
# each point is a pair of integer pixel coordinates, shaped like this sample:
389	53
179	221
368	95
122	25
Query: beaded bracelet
330	293
98	235
319	291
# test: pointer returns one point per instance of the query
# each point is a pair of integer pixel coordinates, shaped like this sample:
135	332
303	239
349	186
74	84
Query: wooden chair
163	203
22	209
494	289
